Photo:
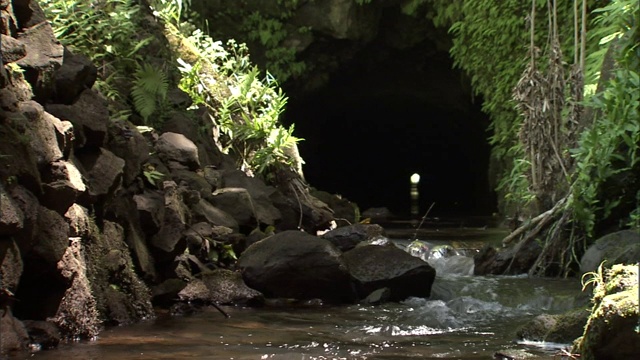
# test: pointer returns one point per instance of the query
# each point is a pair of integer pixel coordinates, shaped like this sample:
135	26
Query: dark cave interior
387	114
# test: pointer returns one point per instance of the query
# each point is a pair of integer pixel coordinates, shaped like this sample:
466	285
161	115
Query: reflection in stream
467	317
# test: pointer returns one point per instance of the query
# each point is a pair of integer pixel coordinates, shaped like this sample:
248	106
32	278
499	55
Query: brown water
467	317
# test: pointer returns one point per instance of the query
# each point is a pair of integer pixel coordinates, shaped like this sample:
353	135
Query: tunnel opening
391	111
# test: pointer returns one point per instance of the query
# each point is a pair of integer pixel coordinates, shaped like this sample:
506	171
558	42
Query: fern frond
144	102
152	80
149	86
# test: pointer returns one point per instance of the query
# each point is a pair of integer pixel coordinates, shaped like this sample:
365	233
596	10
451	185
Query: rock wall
99	220
321	36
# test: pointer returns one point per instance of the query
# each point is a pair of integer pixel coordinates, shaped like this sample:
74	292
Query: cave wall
378	100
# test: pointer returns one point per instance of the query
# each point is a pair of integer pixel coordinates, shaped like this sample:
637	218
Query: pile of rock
100	221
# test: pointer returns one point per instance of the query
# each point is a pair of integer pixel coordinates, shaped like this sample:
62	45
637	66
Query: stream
467	317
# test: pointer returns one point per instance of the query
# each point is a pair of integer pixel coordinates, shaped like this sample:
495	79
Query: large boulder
622	247
301	210
42	246
150	206
294	264
28	13
29	206
44	57
19	163
560	328
347	237
90	118
12	49
11	266
193	181
195	128
51	240
42	334
177	151
387	266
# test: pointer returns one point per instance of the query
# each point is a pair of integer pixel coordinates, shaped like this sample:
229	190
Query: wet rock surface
374	267
293	264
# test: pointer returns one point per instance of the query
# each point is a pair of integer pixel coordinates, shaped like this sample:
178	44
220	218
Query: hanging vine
550	117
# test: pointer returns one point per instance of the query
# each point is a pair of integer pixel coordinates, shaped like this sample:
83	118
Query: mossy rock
611	332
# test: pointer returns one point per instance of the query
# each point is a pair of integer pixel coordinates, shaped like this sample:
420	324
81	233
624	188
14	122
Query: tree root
530	231
539	222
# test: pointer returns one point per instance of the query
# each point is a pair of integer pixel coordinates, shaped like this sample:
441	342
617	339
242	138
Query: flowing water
467	317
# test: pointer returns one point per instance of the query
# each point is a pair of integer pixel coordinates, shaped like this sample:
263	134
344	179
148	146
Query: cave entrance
390	112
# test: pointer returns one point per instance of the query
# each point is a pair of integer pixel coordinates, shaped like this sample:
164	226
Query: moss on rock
611	331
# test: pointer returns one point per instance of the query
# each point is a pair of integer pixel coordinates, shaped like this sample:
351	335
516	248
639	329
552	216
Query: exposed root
536	223
559	249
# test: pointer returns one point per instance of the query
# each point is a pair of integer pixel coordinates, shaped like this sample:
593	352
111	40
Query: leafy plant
242	103
152	175
250	119
221	252
610	148
149	90
594	278
109	32
271	33
490	44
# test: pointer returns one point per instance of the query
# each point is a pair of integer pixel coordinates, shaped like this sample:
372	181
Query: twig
563	352
415	235
215	305
544	218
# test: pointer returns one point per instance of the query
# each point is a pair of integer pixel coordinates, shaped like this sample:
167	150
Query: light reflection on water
463	327
466	318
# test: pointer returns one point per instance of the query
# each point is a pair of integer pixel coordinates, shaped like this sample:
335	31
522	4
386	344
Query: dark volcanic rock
63	184
126	142
375	267
103	171
44	57
177	151
76	74
11	217
13	334
89	116
344	211
294	264
622	247
43	334
347	237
